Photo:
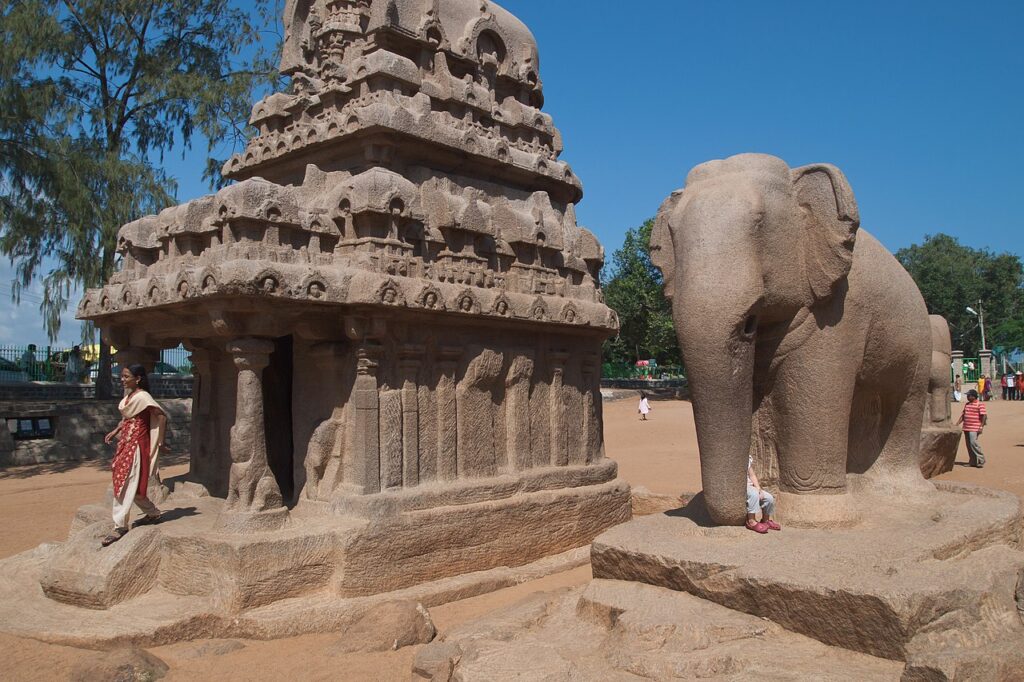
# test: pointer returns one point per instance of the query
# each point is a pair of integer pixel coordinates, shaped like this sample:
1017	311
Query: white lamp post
980	314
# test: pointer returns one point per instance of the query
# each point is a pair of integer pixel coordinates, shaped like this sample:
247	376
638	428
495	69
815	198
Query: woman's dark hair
139	372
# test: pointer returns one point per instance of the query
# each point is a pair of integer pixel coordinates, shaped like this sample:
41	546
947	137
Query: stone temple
395	323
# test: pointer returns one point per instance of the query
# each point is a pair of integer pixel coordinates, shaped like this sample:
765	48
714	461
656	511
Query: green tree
94	93
952	277
634	291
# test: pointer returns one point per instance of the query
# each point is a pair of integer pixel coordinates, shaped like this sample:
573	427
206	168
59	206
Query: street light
980	314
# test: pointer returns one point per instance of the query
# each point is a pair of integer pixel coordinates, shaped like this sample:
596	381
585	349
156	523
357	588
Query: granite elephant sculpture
807	345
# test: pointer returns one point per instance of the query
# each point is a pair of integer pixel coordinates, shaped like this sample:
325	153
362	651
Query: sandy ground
37	504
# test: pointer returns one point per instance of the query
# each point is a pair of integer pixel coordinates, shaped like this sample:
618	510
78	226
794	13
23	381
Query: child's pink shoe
772	525
757	527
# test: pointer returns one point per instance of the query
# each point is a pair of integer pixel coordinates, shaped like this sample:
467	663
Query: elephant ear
663	253
831	220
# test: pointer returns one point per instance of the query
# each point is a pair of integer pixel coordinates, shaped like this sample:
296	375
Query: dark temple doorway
277	416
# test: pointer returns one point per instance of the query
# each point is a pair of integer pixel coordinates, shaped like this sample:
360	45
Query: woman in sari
140	439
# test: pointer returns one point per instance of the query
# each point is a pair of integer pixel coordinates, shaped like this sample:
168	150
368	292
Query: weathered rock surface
388	627
938	449
614	630
934	585
236	600
211	647
83	573
121	665
644	502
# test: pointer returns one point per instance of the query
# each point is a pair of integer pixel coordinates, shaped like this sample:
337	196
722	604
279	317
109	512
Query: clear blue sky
919	103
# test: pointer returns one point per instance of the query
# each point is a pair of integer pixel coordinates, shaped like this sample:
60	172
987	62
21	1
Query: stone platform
937	586
614	630
187	578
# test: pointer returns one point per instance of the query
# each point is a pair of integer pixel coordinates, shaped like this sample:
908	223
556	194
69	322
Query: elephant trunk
717	340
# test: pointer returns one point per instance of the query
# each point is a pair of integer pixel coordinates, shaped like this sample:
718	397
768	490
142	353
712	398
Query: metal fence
970	371
49	363
615	371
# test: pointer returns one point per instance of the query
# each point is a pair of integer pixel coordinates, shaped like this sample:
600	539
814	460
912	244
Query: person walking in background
28	362
645	407
1009	381
1018	378
73	370
982	385
974	418
958	389
987	395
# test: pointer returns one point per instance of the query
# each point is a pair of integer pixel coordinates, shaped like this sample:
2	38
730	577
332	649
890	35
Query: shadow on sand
97	463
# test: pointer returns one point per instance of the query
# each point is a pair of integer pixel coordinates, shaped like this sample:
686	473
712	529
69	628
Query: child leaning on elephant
756	497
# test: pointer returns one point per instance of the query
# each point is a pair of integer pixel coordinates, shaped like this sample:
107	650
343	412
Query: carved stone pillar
254	498
447	414
409	364
957	363
517	411
201	384
390	426
477	415
559	434
590	393
364	474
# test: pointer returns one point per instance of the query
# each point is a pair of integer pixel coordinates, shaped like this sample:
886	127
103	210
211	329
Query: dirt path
37	504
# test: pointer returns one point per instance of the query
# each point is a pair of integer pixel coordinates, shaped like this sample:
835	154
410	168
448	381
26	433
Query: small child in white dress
645	407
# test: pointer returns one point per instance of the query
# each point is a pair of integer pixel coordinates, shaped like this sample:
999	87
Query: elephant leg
812	432
897	469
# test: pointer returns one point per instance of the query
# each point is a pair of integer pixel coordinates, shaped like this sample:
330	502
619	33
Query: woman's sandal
116	535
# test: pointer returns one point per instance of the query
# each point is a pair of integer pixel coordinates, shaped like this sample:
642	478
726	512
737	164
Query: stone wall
79	427
161	387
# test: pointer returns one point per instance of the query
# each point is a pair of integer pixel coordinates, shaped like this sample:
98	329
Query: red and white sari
136	461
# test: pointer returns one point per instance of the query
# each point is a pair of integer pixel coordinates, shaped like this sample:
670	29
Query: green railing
970	371
49	363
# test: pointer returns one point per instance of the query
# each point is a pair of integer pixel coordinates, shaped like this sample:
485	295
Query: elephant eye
750	326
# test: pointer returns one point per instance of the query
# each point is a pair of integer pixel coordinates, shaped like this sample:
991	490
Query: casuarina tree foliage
634	291
93	93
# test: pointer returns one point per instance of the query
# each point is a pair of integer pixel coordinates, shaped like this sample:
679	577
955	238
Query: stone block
948	567
938	449
388	626
244	572
613	630
433	543
83	573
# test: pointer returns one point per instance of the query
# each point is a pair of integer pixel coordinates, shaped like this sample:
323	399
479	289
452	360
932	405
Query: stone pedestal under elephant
806	343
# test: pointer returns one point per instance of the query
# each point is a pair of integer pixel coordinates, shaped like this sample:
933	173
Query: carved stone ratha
393	314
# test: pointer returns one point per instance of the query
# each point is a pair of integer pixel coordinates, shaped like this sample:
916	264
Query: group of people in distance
1011	385
1011	382
74	365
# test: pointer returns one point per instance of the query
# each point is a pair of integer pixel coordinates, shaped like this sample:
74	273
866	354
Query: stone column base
252	522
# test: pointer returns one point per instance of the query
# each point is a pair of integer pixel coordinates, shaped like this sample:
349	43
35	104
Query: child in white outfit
645	407
756	497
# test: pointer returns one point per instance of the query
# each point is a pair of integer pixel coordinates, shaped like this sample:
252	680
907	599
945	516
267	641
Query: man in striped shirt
974	418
